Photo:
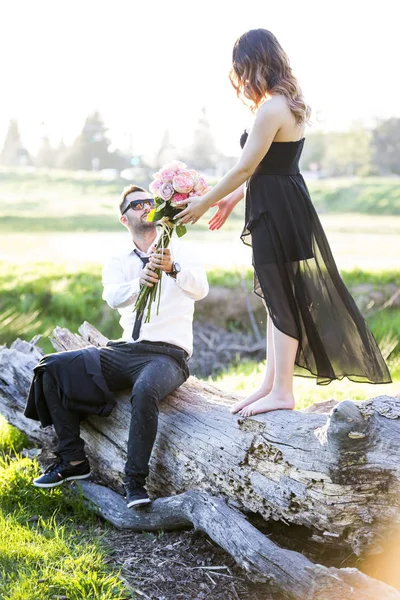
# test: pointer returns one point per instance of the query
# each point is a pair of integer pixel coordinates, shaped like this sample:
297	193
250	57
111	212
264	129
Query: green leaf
180	230
151	215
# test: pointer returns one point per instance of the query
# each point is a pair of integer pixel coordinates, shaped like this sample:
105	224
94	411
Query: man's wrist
171	269
175	269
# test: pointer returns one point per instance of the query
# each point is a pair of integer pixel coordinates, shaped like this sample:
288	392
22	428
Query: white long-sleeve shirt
174	322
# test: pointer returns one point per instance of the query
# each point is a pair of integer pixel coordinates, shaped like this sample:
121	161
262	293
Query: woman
314	327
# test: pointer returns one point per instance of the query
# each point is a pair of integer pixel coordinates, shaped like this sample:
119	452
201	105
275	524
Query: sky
148	66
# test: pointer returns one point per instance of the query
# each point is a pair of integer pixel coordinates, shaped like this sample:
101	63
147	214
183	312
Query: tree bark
334	476
338	475
287	573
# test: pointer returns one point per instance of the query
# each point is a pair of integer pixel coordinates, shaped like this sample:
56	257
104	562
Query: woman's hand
225	207
196	207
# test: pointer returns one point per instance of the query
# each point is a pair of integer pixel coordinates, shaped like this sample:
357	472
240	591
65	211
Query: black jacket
79	376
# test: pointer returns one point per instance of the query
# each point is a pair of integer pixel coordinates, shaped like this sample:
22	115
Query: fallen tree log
288	573
336	476
291	466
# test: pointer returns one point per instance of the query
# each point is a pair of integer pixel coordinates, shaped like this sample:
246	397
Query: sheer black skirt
296	275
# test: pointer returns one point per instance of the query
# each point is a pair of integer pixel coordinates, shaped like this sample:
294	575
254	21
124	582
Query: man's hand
162	260
148	277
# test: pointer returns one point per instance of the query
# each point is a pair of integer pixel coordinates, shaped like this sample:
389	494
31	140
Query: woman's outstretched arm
225	207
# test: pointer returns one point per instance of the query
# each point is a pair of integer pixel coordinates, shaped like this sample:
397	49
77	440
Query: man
151	358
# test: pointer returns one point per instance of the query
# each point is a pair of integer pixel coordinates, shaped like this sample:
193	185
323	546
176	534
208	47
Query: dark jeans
150	376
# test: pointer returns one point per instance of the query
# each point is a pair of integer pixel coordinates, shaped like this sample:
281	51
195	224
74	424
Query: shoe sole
52	485
138	502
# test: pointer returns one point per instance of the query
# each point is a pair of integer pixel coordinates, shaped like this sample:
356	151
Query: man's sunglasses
139	204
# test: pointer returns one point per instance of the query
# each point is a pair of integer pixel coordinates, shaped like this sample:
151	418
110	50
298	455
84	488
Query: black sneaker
62	471
135	495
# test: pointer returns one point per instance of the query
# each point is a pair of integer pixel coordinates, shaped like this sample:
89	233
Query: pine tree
90	149
13	152
46	156
167	150
204	154
386	146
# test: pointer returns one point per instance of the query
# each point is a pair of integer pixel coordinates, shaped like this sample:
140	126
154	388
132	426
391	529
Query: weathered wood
291	467
288	573
16	364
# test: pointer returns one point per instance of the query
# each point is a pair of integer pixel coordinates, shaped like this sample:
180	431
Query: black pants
150	376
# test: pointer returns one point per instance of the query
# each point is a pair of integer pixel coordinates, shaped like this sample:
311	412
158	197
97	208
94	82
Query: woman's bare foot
273	401
260	393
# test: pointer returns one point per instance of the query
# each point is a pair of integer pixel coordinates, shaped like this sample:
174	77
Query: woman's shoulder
277	113
277	104
273	112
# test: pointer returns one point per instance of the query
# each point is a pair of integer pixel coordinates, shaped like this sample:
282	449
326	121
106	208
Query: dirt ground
183	565
177	565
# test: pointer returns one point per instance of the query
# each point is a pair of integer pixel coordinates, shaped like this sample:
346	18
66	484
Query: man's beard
143	226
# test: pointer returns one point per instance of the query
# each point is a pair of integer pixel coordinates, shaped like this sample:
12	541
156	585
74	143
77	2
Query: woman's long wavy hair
260	67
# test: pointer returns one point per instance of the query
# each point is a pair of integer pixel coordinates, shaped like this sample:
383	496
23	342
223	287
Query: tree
386	146
90	149
348	152
314	150
323	485
203	154
60	153
13	153
167	150
47	155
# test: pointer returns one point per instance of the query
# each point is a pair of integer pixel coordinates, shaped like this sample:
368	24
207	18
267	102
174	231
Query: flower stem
147	295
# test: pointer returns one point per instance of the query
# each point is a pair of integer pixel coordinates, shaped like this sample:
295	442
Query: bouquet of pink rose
173	185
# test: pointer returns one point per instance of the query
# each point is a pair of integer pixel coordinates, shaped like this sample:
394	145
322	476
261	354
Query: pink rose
155	186
166	191
195	175
183	182
175	165
201	185
179	199
166	175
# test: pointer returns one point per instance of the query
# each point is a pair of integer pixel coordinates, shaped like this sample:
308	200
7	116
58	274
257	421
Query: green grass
75	222
377	279
72	217
57	201
36	297
232	279
50	543
11	439
62	201
245	377
369	195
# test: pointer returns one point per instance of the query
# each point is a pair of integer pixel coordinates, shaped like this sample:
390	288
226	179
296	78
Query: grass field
34	297
370	243
245	377
72	218
57	228
50	543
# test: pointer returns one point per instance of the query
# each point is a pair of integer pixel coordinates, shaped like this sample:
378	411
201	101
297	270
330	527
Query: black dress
296	275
